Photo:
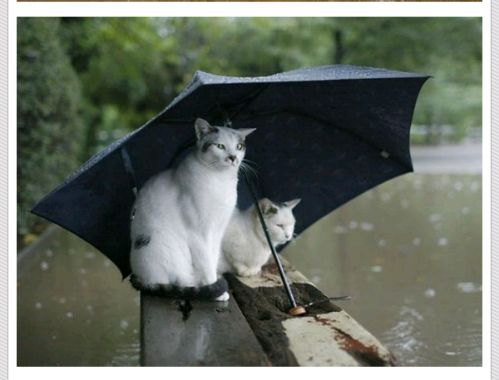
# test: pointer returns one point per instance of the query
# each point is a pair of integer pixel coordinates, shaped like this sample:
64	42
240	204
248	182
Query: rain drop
38	305
49	253
377	268
366	226
458	186
474	186
465	210
416	241
353	225
434	218
44	265
69	315
339	230
62	300
89	255
83	271
107	263
430	293
381	243
316	279
123	324
442	241
102	135
117	133
404	203
385	197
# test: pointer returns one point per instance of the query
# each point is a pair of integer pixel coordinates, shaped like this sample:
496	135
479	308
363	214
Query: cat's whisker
249	172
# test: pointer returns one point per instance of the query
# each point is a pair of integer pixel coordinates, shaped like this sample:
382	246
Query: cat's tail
189	293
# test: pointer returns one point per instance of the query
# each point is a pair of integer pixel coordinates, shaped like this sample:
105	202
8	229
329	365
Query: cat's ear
243	132
202	128
267	207
292	204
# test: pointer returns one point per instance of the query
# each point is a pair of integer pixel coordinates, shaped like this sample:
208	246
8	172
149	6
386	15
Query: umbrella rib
300	113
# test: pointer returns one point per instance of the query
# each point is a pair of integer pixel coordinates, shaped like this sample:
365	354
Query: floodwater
72	307
408	251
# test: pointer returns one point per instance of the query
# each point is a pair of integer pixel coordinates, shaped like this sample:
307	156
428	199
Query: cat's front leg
205	264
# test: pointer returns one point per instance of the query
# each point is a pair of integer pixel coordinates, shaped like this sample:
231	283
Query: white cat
180	216
244	246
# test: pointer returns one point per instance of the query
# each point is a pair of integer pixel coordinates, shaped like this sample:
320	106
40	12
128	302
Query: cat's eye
221	146
240	146
280	225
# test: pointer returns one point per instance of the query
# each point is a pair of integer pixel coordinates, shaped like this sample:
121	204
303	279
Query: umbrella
324	135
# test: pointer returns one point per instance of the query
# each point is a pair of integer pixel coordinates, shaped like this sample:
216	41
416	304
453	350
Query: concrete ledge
325	336
180	333
257	330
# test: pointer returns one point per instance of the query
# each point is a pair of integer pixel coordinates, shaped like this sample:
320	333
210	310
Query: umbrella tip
297	310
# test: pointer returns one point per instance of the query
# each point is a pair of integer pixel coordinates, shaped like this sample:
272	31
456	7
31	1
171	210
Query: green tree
48	126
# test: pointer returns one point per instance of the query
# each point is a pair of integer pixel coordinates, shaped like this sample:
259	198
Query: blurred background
408	251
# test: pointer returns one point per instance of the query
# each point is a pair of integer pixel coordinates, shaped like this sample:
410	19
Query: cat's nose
231	159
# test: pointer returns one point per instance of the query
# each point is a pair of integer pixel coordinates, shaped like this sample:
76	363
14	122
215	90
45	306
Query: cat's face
221	147
279	219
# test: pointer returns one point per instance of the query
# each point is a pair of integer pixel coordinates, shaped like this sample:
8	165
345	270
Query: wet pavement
408	251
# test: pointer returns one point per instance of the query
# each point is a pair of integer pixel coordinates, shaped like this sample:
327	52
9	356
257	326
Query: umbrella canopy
324	135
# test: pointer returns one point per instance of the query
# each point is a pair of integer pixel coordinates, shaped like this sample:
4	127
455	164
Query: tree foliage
48	100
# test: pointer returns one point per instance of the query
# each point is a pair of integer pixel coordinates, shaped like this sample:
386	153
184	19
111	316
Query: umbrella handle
296	309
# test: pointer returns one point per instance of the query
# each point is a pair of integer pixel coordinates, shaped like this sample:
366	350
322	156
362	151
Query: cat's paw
223	297
248	272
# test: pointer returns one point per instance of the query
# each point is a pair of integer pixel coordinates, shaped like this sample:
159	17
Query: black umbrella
324	135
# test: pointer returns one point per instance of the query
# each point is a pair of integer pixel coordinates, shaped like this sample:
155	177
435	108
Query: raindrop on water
434	218
430	293
385	197
366	226
442	241
339	230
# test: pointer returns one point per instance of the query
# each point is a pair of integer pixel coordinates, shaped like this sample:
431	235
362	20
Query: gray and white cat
244	246
180	216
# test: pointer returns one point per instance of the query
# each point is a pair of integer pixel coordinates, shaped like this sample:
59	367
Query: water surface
408	251
410	254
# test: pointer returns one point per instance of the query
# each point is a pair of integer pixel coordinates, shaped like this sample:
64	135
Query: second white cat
244	246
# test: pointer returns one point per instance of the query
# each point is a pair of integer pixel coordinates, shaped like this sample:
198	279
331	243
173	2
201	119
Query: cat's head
220	147
279	219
